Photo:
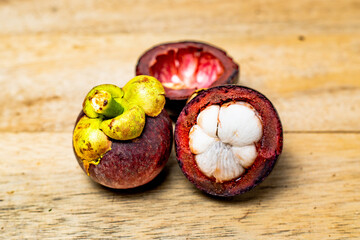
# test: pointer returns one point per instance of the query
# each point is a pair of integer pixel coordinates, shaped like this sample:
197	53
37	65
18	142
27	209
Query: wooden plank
304	56
265	17
312	193
46	76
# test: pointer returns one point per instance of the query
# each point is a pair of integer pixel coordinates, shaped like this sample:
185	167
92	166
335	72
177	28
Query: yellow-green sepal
147	92
128	125
113	90
90	143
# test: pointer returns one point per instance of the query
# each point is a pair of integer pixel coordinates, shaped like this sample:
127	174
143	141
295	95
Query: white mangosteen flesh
224	139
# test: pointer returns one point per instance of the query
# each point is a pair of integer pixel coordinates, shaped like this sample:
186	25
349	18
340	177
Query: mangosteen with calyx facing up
123	136
184	67
228	139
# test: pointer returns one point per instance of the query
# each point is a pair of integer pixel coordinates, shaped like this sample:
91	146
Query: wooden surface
303	55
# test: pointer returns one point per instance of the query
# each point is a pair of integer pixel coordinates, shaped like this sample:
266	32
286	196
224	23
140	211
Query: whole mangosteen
228	139
123	136
184	67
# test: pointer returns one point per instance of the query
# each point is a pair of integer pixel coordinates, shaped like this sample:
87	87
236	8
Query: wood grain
303	55
213	17
312	193
47	76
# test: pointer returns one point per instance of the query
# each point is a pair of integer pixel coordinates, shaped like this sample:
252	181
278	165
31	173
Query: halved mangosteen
228	139
184	67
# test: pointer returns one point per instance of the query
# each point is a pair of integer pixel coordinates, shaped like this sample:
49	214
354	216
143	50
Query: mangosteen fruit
184	67
228	139
123	136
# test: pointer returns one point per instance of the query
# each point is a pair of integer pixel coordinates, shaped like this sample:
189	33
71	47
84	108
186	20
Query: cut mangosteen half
184	67
228	139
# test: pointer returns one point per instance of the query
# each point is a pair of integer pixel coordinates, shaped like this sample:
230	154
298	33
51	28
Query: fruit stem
104	104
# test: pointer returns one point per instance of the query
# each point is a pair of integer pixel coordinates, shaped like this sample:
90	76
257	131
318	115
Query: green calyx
115	113
100	101
89	142
147	92
128	125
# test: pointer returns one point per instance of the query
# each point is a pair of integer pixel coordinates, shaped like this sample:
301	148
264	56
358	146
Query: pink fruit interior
187	68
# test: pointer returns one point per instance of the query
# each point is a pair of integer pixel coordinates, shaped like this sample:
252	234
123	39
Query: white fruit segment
199	141
239	124
208	120
245	155
224	168
224	138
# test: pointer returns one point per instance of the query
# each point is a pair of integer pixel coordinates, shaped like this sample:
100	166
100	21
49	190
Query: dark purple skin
135	162
269	147
176	98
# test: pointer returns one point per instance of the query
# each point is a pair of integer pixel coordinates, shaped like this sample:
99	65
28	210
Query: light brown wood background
303	55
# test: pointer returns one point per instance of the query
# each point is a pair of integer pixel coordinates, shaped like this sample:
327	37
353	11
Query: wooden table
303	55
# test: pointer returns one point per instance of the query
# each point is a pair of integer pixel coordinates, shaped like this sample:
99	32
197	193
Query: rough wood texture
303	55
311	194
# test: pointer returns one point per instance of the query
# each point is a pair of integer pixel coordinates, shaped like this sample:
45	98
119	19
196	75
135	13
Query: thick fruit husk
176	98
269	147
135	162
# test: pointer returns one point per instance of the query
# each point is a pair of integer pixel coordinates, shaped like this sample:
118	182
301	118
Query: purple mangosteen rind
269	147
176	98
135	162
230	76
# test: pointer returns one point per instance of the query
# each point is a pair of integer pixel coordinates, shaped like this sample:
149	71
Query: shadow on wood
272	185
